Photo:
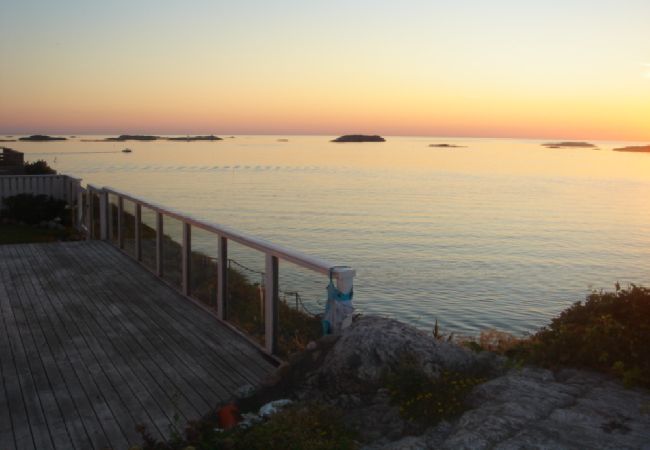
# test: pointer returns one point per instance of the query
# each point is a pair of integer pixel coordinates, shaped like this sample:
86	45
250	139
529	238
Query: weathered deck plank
92	344
110	412
240	356
125	352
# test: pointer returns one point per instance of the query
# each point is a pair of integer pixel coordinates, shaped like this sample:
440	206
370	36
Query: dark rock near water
359	138
41	138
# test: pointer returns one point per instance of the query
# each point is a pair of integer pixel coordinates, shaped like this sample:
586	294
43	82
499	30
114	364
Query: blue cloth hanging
338	307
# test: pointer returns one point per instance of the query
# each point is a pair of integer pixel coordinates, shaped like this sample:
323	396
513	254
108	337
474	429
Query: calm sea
501	233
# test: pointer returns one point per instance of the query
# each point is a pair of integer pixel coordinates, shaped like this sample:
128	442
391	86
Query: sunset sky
573	69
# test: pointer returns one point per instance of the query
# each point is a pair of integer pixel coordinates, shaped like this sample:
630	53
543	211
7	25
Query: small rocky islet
634	149
359	138
41	138
447	146
195	138
569	144
149	138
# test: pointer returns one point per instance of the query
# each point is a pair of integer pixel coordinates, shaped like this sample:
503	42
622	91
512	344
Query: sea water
495	233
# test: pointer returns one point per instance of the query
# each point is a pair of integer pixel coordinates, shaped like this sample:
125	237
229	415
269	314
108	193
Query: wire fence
299	304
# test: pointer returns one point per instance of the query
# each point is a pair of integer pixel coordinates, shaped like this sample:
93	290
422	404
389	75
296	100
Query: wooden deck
92	344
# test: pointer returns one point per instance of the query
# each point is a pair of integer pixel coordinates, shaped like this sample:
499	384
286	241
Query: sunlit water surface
502	233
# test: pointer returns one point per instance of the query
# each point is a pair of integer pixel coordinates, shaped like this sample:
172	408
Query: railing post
186	257
271	304
344	283
222	278
80	207
103	215
159	244
120	222
109	217
89	213
344	278
138	232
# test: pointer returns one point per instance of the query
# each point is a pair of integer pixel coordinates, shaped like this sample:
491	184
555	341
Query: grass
24	234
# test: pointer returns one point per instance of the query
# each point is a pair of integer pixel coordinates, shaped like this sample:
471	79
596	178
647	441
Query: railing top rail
94	187
58	175
295	257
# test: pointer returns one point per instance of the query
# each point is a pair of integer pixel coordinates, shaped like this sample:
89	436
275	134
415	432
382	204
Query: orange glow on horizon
494	72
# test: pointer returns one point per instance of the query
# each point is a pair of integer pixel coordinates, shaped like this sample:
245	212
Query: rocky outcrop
516	408
373	346
359	138
535	408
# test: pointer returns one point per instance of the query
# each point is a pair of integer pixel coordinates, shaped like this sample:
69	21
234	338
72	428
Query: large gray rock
371	346
533	408
536	409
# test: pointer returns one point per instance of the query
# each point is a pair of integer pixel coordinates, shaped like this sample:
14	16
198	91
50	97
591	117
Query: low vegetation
35	218
25	234
306	427
426	399
33	209
39	167
608	332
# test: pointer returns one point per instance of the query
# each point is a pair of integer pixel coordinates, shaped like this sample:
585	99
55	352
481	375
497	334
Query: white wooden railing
87	220
61	187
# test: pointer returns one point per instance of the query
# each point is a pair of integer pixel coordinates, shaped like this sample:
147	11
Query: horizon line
60	134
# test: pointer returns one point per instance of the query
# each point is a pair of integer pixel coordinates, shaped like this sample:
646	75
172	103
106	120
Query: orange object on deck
228	416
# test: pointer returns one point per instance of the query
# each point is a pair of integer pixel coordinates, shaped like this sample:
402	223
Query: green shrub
609	332
426	399
33	209
39	167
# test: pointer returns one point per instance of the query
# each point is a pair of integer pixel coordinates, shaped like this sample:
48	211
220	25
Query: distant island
149	138
569	145
7	140
634	148
359	138
196	138
132	137
41	138
447	146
